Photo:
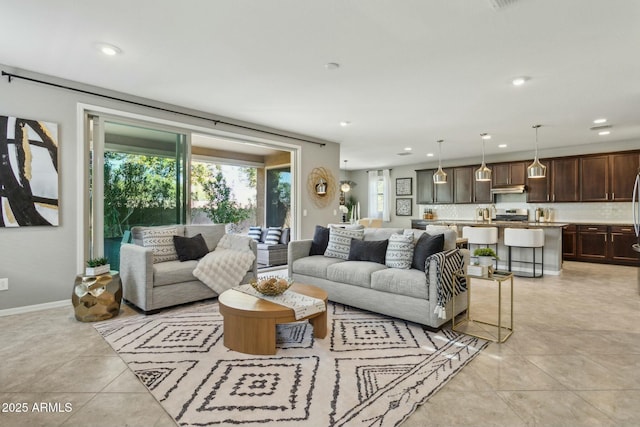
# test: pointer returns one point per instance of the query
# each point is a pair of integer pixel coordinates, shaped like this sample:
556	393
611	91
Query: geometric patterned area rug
370	370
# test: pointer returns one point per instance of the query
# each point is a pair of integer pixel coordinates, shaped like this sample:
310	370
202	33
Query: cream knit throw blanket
225	267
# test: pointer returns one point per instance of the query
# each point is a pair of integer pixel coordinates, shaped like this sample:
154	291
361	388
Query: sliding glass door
138	177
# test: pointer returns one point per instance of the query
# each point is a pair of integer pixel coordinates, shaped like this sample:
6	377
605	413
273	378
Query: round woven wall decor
316	177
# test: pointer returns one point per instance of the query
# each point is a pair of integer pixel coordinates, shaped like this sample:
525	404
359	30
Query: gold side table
97	298
496	332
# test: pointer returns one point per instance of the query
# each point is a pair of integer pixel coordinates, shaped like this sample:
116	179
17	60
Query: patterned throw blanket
225	267
302	305
446	264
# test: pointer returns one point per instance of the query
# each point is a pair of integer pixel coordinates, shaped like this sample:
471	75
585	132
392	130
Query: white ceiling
411	71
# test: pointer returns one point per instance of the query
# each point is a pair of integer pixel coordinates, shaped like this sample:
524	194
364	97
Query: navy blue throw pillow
190	248
320	241
426	246
367	250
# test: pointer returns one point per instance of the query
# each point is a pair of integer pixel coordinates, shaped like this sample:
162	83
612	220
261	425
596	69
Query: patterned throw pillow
255	233
399	251
160	240
273	236
340	242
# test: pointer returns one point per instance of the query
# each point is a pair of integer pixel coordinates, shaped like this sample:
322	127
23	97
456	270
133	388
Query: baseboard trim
35	307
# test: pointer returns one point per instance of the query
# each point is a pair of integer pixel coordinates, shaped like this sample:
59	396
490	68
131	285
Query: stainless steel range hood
509	189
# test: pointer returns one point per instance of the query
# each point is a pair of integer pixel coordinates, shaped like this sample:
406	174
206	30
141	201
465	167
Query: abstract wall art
28	172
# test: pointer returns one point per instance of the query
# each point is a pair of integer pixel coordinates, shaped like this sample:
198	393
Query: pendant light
440	177
483	173
536	169
345	187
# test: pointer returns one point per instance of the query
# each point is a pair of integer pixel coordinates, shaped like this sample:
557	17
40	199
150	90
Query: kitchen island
552	241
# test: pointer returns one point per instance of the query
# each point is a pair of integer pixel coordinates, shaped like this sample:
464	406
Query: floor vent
500	4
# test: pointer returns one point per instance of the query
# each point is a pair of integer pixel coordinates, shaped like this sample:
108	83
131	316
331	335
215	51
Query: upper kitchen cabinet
565	179
608	177
538	189
481	190
512	173
594	178
463	184
444	192
424	187
624	167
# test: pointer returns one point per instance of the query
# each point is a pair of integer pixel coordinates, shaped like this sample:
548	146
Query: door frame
83	111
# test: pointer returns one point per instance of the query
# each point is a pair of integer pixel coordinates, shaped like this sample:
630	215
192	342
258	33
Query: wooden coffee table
250	322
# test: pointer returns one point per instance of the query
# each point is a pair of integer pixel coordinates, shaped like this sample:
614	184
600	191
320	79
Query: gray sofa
152	286
403	293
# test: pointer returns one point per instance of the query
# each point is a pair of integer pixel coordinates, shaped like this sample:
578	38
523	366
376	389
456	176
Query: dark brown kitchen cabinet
463	184
565	179
592	242
624	167
481	190
622	237
508	173
594	178
538	189
444	192
424	187
570	242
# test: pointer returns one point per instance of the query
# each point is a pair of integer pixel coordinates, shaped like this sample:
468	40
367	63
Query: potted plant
485	256
97	266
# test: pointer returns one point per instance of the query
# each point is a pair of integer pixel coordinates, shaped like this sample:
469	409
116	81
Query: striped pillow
255	233
399	251
160	240
340	242
273	236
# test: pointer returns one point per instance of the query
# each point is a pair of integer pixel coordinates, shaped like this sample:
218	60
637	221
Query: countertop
500	224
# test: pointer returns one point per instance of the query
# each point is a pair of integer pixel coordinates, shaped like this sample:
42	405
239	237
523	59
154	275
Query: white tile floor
573	360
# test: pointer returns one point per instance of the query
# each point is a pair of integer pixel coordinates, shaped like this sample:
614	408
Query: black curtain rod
11	76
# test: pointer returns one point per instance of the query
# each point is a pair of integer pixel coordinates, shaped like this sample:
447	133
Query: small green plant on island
485	252
97	262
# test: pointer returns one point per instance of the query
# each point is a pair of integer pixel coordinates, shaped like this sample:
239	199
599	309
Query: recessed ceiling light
519	81
600	121
331	65
604	132
108	49
344	123
407	148
502	145
429	154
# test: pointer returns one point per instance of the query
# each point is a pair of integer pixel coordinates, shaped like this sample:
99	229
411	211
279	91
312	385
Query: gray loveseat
403	293
152	286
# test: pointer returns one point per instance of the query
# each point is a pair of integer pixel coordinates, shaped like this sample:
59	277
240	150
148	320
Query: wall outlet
4	284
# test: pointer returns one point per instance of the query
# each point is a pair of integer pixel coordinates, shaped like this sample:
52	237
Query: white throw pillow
340	242
255	232
160	240
273	236
399	251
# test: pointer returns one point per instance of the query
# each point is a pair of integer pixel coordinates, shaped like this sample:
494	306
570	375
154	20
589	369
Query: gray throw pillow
340	242
399	251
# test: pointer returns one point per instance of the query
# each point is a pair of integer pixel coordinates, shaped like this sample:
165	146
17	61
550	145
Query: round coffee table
250	322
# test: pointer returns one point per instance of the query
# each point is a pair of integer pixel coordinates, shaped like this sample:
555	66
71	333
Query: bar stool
526	238
481	236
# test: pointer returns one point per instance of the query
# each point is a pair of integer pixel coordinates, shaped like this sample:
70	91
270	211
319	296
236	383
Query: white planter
96	271
485	261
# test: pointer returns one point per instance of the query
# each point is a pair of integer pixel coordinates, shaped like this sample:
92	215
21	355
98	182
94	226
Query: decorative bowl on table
272	285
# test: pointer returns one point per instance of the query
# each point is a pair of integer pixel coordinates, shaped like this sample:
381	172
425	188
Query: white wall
41	262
